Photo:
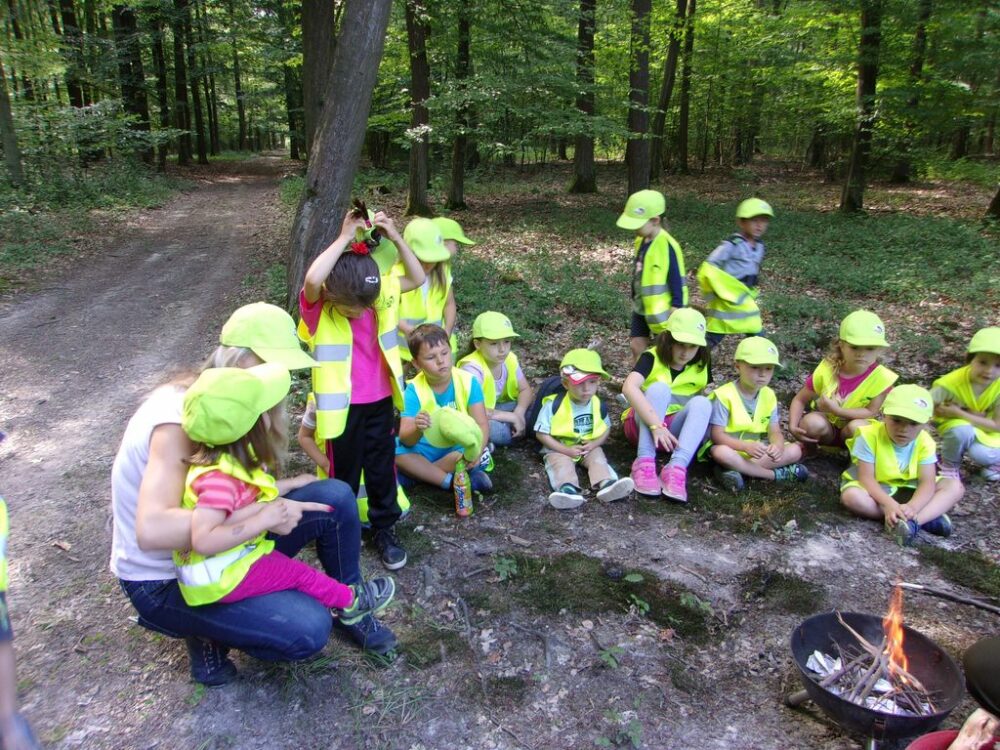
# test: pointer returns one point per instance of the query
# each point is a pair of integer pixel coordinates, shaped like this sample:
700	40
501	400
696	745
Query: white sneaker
565	500
991	473
617	490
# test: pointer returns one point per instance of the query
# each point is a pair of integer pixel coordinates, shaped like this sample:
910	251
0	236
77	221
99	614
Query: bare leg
947	493
860	503
416	466
849	429
760	468
818	427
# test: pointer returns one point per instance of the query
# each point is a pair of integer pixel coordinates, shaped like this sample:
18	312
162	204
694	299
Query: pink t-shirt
845	385
371	378
216	489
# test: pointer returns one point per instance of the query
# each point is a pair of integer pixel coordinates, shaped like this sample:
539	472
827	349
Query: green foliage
970	569
290	191
505	567
611	656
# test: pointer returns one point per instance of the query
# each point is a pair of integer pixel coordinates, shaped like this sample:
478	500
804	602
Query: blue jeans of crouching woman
284	626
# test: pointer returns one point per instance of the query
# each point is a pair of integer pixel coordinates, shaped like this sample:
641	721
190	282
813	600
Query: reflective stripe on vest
428	403
731	304
692	381
4	530
655	300
510	389
959	384
204	579
887	469
741	425
561	427
826	382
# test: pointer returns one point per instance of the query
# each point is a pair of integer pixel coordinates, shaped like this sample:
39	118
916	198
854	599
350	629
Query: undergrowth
970	569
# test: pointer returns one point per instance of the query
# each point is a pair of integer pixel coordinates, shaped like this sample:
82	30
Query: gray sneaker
566	497
731	479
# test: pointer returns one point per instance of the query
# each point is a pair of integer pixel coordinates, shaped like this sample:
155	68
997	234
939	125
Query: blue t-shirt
411	407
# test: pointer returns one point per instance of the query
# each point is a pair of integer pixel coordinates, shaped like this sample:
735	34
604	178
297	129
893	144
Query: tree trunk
73	53
339	135
584	168
637	150
456	185
130	72
319	42
241	112
993	212
902	170
15	26
208	81
293	88
201	142
182	112
160	66
417	30
666	92
8	136
684	117
853	196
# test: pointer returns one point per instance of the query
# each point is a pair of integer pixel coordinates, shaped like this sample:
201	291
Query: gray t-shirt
720	413
740	258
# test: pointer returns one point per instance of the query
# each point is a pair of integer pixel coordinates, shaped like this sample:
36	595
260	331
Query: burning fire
892	626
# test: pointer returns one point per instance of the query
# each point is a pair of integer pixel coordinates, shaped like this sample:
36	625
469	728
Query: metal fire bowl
927	662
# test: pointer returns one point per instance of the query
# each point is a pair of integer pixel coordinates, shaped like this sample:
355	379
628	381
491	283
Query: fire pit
926	665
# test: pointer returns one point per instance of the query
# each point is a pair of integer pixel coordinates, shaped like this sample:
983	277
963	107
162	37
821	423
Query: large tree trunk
160	66
182	111
463	59
584	168
339	135
993	212
901	172
684	116
637	150
201	142
241	112
15	26
417	30
11	152
208	81
319	42
73	53
130	72
852	197
666	92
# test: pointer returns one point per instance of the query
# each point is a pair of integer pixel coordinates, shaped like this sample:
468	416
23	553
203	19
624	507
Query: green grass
984	173
970	569
782	592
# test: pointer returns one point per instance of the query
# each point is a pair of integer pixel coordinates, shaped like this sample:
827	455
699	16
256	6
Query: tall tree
194	73
241	111
666	91
637	149
8	136
130	71
901	172
684	115
339	136
463	60
584	169
160	66
417	31
319	42
182	111
993	212
852	198
73	52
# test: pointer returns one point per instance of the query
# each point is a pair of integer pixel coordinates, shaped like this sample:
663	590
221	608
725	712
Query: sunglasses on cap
578	376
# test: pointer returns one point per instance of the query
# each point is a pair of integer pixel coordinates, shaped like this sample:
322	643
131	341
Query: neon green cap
267	331
582	361
224	403
425	240
752	207
687	325
492	325
986	340
863	328
757	350
640	208
451	230
910	402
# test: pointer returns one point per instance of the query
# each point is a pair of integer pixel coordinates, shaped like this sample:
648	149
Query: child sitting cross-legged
572	426
744	413
438	384
895	459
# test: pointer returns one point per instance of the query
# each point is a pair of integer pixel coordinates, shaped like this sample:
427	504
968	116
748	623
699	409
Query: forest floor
638	624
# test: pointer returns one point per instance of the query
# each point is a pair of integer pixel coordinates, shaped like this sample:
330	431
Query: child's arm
954	411
288	484
411	429
573	451
210	534
478	412
450	312
892	510
414	272
754	448
644	411
775	441
926	485
307	441
865	412
312	285
525	395
796	409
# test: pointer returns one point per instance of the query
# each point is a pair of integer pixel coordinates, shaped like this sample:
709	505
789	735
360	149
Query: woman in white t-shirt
147	483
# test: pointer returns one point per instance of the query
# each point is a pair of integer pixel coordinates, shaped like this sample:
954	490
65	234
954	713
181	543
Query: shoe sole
617	491
675	498
395	565
565	501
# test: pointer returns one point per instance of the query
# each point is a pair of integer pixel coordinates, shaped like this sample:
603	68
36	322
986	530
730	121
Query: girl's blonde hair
438	275
835	356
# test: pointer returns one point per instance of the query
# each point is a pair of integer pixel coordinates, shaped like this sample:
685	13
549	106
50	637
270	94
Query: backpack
551	385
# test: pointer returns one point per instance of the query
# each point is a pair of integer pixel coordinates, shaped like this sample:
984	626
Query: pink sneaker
674	481
644	476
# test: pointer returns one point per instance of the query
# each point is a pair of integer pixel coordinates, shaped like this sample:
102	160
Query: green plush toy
451	427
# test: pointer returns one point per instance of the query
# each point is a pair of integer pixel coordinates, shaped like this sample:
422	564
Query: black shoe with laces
210	664
370	634
392	553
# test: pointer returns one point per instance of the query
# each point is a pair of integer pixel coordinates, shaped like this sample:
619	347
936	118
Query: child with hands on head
350	315
572	426
438	385
668	411
745	433
847	388
506	391
967	409
235	419
892	472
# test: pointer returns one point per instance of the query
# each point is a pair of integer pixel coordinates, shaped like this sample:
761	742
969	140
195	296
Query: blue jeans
284	626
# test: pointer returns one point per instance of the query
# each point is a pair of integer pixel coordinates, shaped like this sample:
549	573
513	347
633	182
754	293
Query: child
349	320
744	411
729	276
453	235
572	427
506	392
667	410
848	386
967	408
235	418
438	384
434	300
898	454
658	284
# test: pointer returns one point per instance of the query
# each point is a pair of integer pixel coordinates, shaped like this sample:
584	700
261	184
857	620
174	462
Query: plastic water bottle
462	486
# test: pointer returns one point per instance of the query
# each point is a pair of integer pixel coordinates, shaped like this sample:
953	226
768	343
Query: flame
892	626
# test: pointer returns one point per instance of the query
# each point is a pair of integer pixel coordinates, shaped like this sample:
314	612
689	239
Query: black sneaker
392	553
210	663
370	634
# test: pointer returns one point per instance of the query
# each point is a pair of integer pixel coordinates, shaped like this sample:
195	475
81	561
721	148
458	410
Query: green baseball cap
425	240
986	340
579	363
687	325
910	402
752	207
863	328
451	427
452	230
640	208
492	325
267	331
224	403
757	350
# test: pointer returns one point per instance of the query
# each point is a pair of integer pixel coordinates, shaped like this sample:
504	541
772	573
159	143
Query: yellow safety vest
741	425
654	300
692	381
887	470
332	345
203	580
463	387
825	383
490	395
562	420
959	385
423	305
3	545
732	305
